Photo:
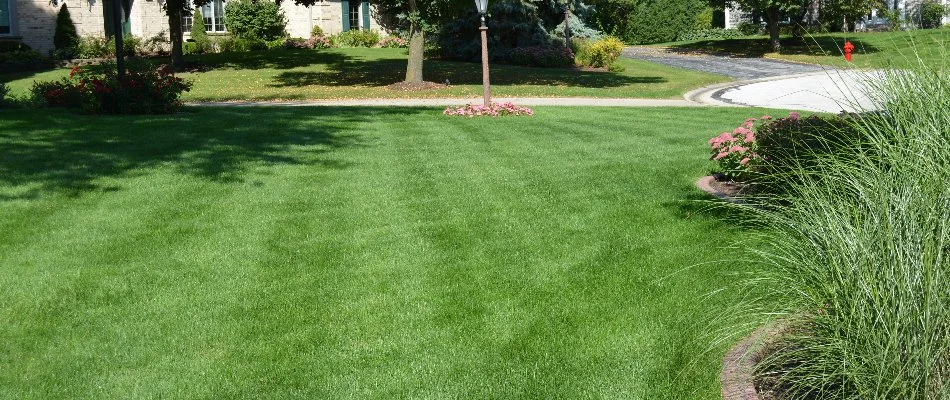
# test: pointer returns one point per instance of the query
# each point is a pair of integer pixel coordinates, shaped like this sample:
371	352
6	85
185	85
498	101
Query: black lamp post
482	7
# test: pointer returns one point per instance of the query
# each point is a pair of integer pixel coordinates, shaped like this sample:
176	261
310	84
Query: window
6	21
354	15
213	14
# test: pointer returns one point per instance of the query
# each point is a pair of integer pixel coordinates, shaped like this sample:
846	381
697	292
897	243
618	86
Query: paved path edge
712	94
445	102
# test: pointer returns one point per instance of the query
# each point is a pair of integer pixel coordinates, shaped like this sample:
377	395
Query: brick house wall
34	21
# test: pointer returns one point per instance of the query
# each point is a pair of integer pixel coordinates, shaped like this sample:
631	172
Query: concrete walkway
521	101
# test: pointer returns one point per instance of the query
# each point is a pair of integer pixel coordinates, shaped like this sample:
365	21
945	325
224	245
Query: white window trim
11	8
187	32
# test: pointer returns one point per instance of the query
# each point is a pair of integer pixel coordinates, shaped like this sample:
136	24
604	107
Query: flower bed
493	110
142	90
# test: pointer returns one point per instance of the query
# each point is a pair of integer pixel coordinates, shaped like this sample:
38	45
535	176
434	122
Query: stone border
712	95
736	376
705	184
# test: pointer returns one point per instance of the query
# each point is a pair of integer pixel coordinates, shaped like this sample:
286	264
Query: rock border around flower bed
736	377
712	186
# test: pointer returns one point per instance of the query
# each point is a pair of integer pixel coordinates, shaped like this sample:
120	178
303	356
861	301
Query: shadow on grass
51	151
272	59
758	47
383	72
697	203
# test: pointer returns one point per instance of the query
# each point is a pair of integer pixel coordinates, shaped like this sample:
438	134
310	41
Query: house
734	15
33	21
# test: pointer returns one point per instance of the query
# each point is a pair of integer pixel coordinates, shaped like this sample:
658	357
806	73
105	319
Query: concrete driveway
768	83
734	67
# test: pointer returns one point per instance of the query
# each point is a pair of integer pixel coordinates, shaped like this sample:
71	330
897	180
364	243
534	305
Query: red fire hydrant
848	49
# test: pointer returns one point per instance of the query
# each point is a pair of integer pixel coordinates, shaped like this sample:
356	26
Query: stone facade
34	21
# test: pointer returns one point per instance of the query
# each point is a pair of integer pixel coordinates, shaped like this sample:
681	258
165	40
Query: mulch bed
416	86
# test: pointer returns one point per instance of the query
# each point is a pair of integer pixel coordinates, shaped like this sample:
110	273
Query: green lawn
371	252
366	73
872	50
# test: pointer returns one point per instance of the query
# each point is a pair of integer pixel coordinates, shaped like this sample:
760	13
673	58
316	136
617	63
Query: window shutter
365	8
346	15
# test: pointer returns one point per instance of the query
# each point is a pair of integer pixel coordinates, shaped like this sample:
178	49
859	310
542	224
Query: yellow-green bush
601	53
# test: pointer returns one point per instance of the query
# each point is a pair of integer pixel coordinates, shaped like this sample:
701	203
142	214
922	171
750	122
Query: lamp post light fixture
482	7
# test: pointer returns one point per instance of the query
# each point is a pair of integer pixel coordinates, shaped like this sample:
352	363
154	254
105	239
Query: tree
847	12
175	10
772	11
65	38
416	17
198	32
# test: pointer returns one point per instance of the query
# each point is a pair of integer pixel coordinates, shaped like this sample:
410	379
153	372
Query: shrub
736	152
255	20
158	44
748	28
793	148
95	47
275	44
318	42
931	14
23	60
513	24
316	31
11	46
4	91
656	21
857	260
579	29
295	43
355	38
65	38
239	44
130	45
198	34
393	42
493	110
770	152
711	34
537	56
601	53
143	90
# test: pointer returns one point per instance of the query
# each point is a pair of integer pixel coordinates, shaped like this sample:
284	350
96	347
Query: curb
443	102
712	95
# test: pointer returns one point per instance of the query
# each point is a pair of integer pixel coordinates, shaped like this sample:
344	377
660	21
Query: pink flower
794	116
744	161
766	117
738	149
750	137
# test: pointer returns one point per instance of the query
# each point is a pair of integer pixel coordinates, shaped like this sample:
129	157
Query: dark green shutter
346	15
366	15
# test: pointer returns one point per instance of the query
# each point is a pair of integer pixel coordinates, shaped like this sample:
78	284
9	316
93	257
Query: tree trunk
416	54
774	38
844	25
175	35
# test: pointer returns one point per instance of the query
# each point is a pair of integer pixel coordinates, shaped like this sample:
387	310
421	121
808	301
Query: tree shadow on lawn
383	72
274	59
55	151
696	203
758	47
